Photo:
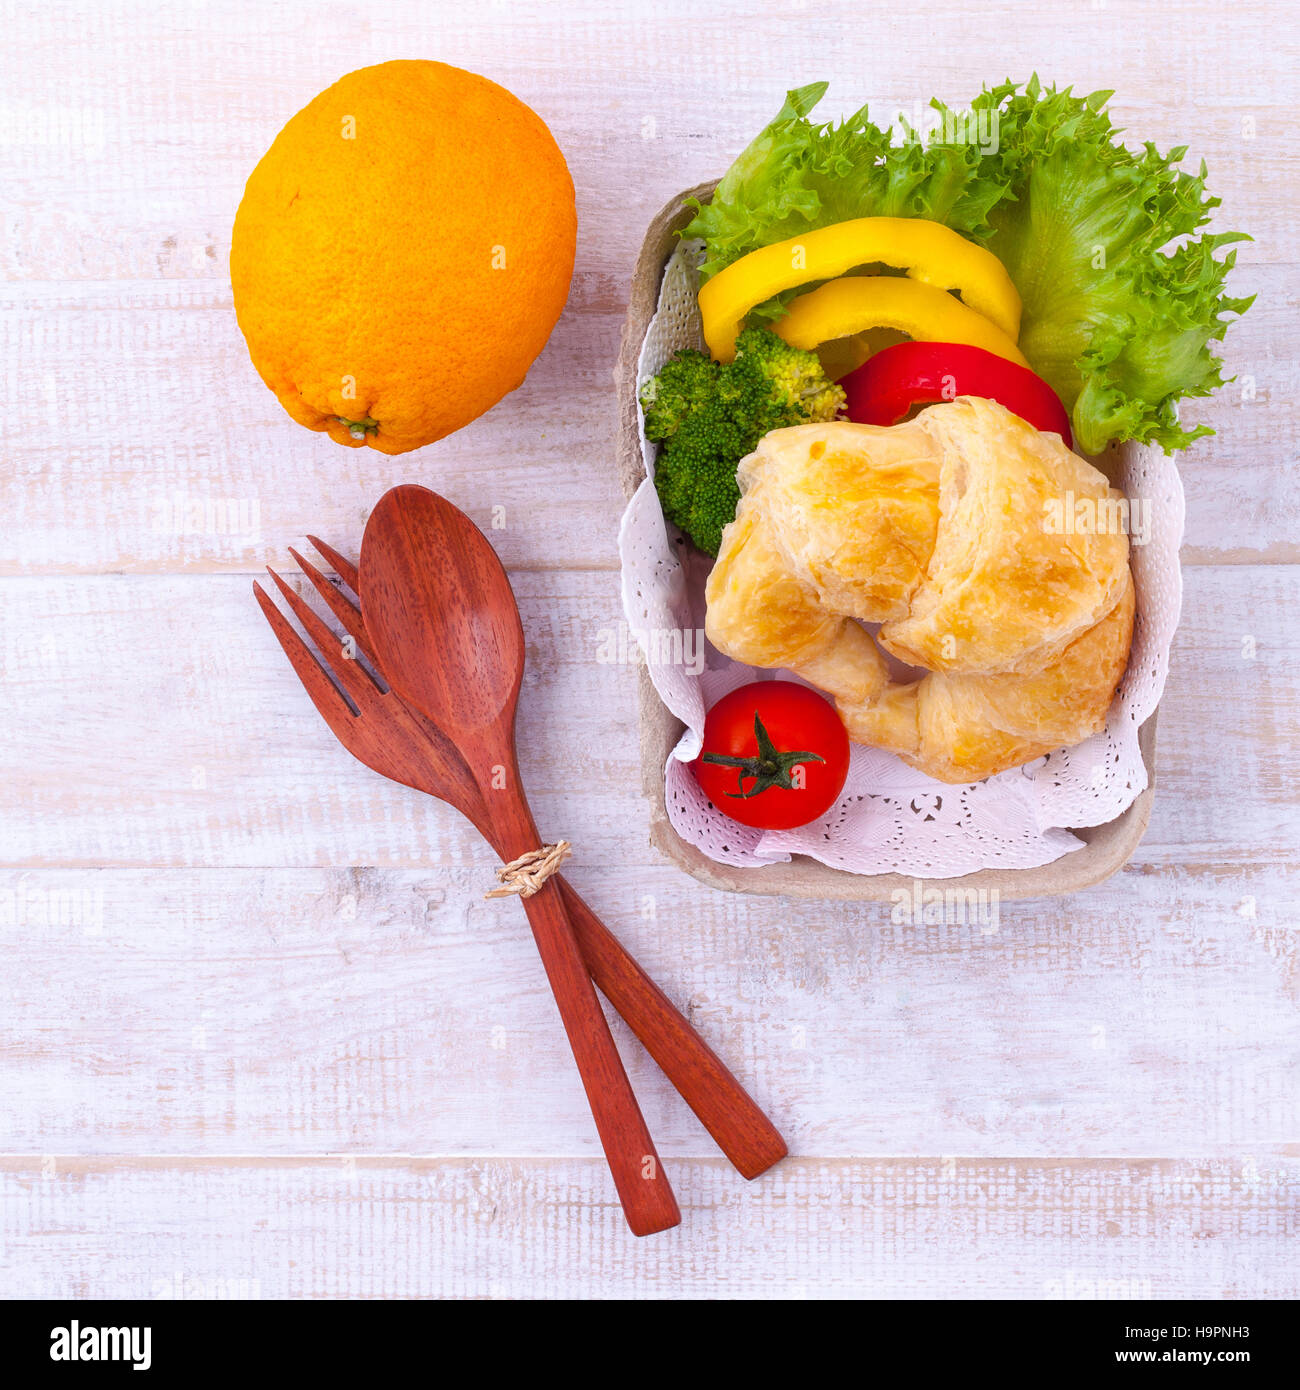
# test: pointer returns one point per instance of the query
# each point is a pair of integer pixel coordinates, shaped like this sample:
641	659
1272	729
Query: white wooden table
258	1032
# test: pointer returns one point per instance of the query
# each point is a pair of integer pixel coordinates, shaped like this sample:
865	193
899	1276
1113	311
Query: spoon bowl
431	581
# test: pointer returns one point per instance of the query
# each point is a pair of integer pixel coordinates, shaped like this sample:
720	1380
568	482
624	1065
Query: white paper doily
891	818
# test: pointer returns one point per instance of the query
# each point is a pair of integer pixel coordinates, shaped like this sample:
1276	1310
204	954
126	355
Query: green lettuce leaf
797	176
1123	293
1117	318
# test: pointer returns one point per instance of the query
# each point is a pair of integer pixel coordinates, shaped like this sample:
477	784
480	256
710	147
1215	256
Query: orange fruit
402	252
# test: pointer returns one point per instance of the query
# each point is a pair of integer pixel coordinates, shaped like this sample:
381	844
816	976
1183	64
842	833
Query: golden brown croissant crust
940	530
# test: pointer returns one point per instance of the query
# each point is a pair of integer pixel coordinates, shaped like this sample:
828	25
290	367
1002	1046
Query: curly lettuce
1124	294
1117	318
797	176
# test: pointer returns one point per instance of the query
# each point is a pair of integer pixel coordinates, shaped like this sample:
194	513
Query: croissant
940	530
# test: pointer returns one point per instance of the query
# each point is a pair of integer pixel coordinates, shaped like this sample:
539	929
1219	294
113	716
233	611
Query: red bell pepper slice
895	379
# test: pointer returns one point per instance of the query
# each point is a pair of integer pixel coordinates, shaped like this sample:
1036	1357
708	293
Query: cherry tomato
775	755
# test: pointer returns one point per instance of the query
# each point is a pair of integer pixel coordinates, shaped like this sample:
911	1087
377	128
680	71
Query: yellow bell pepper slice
855	303
927	251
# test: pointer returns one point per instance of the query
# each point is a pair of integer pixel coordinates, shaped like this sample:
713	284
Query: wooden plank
639	111
221	478
154	721
92	494
301	1011
515	1228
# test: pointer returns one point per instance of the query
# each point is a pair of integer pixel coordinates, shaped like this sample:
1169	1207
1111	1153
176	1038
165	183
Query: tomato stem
770	768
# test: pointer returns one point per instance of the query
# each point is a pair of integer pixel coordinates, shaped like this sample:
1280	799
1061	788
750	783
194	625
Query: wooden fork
380	730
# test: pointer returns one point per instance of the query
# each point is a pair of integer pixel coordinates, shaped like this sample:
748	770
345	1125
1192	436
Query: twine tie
525	875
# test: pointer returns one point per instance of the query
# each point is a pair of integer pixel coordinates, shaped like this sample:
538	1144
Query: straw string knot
526	874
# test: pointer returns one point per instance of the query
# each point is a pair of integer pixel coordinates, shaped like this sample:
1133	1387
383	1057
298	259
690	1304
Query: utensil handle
639	1177
722	1105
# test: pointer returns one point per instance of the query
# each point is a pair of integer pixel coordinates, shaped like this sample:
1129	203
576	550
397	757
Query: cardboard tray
1107	847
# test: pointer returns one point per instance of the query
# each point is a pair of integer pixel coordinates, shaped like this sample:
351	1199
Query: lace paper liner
891	818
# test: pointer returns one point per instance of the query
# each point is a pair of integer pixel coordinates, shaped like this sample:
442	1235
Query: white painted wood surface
258	1035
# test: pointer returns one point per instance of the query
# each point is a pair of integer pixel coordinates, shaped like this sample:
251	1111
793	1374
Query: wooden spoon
444	623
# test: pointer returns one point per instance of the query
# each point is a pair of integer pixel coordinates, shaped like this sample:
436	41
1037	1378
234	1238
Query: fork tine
325	695
343	567
348	672
340	605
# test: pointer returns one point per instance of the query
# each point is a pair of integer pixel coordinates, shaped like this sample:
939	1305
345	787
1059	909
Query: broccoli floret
684	384
707	416
797	375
